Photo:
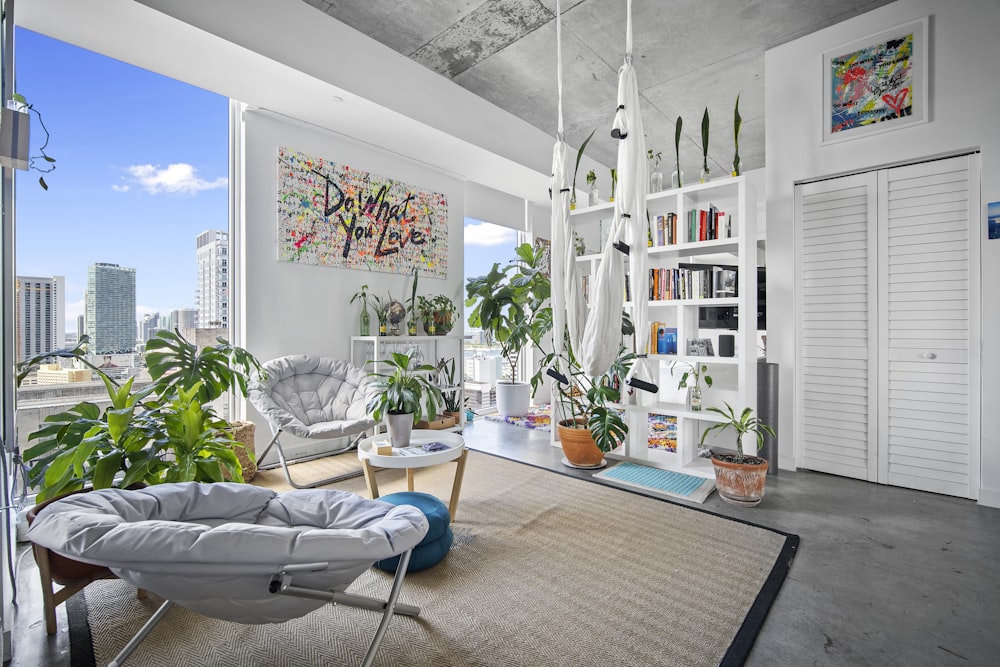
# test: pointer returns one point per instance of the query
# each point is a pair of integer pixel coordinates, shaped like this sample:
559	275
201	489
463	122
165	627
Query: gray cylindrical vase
399	427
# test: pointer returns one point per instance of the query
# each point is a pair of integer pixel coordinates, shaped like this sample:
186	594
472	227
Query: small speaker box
727	345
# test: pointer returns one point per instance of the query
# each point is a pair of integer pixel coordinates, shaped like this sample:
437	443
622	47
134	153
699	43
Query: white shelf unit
734	378
374	349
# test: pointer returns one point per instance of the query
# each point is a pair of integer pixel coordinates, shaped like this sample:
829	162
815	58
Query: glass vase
656	180
694	398
366	323
411	327
677	179
592	195
705	171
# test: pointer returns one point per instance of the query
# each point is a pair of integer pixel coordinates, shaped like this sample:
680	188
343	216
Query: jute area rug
546	569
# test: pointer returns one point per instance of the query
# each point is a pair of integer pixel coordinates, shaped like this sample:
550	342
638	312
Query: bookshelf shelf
684	242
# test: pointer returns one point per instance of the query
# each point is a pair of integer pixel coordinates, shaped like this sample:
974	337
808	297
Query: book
666	340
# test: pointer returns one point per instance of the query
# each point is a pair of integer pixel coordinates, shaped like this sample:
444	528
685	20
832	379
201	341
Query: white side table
413	457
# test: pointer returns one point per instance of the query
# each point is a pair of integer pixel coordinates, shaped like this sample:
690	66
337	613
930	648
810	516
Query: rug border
81	642
739	650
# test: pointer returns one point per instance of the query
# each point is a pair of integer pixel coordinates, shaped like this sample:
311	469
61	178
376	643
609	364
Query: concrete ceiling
689	55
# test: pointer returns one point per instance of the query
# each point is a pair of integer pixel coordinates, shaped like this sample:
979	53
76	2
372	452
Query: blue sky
142	165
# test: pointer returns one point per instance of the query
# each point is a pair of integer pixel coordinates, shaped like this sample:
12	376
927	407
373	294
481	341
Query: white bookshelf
735	378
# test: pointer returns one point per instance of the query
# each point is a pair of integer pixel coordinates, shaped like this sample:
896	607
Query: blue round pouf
436	542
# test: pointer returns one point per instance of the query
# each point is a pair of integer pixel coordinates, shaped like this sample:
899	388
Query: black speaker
727	345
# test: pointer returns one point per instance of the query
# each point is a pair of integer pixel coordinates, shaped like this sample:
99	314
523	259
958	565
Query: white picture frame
876	83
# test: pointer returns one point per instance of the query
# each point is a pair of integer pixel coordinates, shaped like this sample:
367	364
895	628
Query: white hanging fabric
601	338
567	298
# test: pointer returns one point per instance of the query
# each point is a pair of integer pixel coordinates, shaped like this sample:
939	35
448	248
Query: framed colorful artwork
876	83
332	214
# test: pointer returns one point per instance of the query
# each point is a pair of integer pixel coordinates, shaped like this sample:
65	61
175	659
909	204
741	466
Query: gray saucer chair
313	397
237	552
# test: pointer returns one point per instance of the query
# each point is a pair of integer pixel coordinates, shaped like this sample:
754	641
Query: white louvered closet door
929	354
835	287
888	344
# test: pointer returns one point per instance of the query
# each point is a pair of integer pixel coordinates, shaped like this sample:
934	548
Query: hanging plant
50	162
737	121
704	146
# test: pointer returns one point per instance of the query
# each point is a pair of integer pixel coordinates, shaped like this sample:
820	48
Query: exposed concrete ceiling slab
689	54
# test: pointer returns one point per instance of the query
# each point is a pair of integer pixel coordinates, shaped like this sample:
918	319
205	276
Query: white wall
292	308
964	98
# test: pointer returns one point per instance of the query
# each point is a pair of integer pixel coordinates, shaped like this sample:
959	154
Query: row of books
702	225
693	281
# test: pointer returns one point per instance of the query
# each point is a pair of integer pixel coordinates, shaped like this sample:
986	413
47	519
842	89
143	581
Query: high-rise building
110	308
81	328
183	318
150	324
41	315
213	279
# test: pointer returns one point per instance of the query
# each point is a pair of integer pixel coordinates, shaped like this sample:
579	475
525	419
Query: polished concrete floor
883	576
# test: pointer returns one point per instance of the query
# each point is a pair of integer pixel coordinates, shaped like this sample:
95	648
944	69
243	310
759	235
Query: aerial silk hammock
594	333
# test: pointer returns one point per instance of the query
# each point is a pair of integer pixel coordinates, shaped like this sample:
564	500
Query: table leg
409	479
370	478
456	487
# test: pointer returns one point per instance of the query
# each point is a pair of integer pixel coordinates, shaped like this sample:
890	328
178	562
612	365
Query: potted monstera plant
507	304
167	431
740	477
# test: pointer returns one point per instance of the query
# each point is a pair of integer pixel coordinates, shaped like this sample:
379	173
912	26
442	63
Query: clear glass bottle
656	179
695	398
677	179
593	197
366	323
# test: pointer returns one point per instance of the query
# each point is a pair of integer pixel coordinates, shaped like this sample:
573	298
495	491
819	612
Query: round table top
413	456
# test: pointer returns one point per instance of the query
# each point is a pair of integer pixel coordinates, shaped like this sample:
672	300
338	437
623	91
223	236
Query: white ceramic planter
399	427
513	399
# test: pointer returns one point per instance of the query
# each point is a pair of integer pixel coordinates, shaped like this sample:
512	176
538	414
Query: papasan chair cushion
313	397
213	547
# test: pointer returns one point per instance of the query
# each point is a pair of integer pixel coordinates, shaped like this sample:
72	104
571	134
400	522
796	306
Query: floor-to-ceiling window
486	244
130	236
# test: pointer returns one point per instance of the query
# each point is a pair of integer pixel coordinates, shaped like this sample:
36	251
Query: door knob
929	355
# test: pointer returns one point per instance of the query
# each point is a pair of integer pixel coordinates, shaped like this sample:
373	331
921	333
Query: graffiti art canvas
332	214
877	83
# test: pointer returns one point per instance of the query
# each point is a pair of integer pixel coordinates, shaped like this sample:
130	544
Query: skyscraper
213	279
150	324
41	315
110	308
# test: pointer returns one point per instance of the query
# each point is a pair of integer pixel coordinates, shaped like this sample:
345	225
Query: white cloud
180	178
120	188
487	234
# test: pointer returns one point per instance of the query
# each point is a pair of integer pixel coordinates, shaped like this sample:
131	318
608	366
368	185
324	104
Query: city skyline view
141	169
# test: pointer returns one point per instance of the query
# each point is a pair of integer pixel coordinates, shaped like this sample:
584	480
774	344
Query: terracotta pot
578	445
740	483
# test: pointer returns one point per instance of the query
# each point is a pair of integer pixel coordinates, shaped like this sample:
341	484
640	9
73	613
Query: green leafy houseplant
165	432
691	378
438	314
743	424
586	401
506	304
362	296
406	389
446	382
50	162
